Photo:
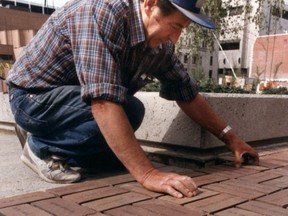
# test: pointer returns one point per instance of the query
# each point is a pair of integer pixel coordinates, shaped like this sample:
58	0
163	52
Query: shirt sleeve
95	49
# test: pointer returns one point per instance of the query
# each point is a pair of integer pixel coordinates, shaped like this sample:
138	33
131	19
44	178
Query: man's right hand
171	183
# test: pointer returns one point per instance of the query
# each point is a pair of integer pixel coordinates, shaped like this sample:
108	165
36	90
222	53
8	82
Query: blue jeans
62	124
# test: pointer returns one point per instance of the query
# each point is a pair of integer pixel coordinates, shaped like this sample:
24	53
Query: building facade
238	47
17	28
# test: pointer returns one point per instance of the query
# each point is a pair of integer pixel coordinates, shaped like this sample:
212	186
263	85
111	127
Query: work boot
52	169
21	134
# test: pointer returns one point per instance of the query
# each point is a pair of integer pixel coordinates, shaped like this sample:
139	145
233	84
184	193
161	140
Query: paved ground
225	190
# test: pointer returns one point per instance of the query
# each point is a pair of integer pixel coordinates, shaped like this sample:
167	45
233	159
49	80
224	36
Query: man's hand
171	183
243	152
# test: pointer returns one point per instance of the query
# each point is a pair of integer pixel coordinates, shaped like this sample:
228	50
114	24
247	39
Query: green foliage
199	74
212	87
152	87
280	90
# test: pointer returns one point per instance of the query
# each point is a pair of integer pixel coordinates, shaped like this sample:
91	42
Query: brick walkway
225	191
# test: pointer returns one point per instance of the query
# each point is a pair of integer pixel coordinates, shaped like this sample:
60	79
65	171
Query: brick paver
23	210
136	187
58	206
224	191
281	182
116	201
264	208
260	177
237	212
216	203
95	194
166	208
22	199
279	198
231	189
75	188
203	194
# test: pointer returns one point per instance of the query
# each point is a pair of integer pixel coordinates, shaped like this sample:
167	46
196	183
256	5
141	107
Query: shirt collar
136	23
137	29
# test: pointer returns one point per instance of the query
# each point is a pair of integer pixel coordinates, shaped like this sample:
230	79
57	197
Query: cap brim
200	19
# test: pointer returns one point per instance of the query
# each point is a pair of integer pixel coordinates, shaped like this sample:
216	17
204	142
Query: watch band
224	131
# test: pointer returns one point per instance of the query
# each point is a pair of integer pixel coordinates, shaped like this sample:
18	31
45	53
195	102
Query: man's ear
148	5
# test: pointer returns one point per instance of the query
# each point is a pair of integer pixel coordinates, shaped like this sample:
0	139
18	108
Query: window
210	73
211	60
6	57
194	60
186	58
231	46
234	11
285	15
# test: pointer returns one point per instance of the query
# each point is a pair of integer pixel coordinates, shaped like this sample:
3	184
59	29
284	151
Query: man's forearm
202	113
120	137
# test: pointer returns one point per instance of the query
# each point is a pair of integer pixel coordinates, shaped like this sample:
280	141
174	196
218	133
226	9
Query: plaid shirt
100	45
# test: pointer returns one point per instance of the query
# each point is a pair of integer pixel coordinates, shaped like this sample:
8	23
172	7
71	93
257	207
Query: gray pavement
15	177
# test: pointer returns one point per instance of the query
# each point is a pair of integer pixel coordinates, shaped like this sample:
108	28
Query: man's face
160	29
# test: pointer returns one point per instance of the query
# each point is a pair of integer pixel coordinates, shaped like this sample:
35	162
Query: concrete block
253	117
5	111
164	122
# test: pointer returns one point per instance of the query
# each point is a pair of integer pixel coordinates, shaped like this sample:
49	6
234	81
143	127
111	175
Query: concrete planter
6	116
252	117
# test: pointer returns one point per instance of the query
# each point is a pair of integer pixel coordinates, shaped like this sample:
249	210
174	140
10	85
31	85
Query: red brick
118	179
58	206
272	164
237	212
116	201
77	187
260	177
265	189
203	194
256	168
182	171
208	179
228	171
98	214
23	210
236	191
281	182
91	195
264	208
216	203
279	198
283	171
136	187
281	156
129	210
25	198
159	207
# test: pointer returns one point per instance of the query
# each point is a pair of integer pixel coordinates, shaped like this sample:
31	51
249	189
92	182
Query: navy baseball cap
192	10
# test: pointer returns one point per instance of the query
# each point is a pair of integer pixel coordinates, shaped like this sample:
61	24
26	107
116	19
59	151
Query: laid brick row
224	191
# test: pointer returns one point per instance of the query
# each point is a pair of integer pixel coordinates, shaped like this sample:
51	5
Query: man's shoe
21	134
53	169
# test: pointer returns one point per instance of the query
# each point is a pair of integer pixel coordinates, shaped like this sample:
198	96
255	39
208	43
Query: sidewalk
225	190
